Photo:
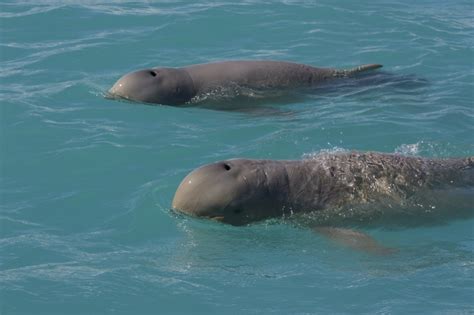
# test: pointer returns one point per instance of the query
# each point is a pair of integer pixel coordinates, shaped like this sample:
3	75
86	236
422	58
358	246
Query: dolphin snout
209	192
135	86
118	90
112	93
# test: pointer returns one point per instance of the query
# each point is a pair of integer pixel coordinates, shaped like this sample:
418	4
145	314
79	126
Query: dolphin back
454	172
468	171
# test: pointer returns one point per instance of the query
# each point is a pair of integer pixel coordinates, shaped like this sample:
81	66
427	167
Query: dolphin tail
353	71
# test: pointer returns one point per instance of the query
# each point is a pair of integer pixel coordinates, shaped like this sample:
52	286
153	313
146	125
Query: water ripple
86	183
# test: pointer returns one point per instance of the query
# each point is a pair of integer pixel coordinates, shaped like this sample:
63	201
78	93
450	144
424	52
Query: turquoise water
87	183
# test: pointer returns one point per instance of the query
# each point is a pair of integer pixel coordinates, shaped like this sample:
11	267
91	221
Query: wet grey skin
242	191
177	86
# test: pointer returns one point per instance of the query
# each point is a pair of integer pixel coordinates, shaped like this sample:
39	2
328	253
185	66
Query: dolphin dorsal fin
350	72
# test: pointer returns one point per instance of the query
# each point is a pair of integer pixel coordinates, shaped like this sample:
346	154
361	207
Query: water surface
86	182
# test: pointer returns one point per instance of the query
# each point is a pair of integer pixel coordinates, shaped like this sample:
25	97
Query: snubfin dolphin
242	191
177	86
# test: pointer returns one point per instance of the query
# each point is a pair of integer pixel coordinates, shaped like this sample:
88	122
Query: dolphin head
168	86
235	191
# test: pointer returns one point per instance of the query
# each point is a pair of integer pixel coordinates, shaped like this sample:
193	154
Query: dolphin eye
153	73
227	167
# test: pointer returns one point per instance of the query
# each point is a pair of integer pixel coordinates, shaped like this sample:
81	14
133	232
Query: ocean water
87	182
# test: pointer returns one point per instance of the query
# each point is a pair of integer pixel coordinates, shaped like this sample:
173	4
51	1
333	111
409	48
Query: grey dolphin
176	86
241	191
